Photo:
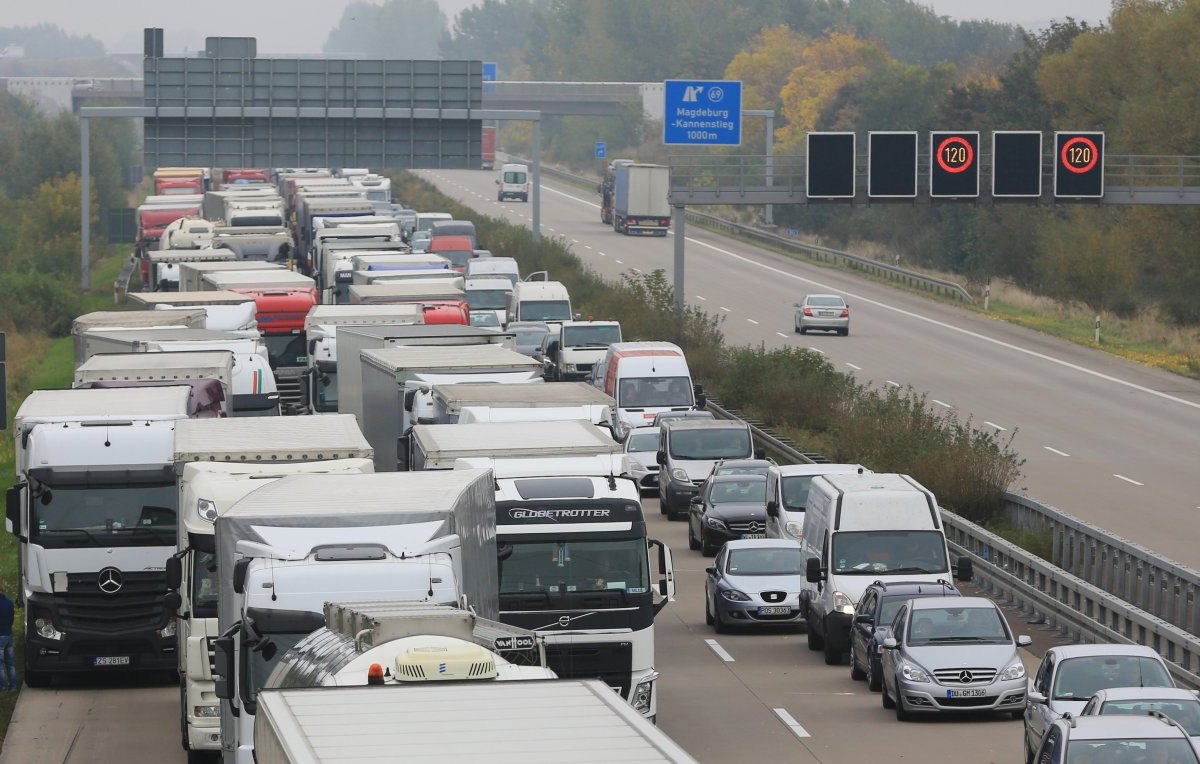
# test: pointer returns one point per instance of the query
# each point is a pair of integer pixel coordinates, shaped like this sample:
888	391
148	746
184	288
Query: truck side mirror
12	510
171	603
965	569
701	398
666	568
814	572
409	397
239	575
222	668
773	508
174	570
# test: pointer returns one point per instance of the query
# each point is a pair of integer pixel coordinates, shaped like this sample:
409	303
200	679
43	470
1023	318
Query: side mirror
666	568
865	619
965	569
503	551
239	575
409	397
773	508
890	643
710	570
1033	696
813	571
696	500
12	510
661	457
1024	641
174	570
222	668
760	453
795	305
171	603
497	181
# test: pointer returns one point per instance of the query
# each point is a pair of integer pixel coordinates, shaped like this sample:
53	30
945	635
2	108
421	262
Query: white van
489	295
539	301
859	529
494	267
787	494
646	378
513	183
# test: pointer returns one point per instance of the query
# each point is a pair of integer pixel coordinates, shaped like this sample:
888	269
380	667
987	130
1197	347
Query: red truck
280	315
233	175
487	148
152	220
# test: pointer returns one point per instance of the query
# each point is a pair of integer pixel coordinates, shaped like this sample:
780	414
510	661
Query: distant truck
438	446
224	311
608	187
201	370
576	347
180	180
640	206
487	147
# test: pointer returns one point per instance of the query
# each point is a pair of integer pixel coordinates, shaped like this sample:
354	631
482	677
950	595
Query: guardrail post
680	222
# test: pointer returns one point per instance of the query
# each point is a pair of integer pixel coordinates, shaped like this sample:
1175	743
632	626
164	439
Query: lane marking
1127	480
573	241
635	270
587	246
856	368
1056	451
993	424
944	405
701	298
791	723
781	334
751	320
893	384
727	310
620	262
720	651
810	347
602	254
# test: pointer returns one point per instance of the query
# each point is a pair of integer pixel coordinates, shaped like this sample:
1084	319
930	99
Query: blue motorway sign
489	71
702	113
601	149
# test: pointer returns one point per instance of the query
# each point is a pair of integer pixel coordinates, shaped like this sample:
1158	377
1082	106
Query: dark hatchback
873	618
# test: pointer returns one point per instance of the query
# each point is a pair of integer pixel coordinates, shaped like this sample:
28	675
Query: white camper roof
220	297
140	403
271	439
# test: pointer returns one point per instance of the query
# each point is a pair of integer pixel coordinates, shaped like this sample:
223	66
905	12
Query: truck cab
571	352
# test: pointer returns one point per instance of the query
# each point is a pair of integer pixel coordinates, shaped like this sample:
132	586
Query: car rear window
826	302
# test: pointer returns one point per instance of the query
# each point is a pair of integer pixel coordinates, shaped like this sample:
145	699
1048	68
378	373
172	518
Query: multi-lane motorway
1107	440
726	698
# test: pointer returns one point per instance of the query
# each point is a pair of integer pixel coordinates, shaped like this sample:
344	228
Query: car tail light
808	311
845	313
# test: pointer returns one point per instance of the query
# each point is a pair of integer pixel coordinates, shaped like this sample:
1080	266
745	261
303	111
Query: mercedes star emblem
966	677
110	580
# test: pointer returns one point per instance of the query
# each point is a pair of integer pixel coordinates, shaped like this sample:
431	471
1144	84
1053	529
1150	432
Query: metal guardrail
1064	601
866	265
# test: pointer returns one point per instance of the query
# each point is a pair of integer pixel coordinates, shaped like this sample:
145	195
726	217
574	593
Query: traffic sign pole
679	213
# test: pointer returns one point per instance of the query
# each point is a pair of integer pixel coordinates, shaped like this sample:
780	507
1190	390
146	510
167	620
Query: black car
873	618
729	507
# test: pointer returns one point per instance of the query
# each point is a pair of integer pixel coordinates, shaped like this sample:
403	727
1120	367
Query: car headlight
842	603
45	629
168	630
679	474
206	712
642	694
1015	671
733	595
207	509
913	673
794	529
715	524
569	367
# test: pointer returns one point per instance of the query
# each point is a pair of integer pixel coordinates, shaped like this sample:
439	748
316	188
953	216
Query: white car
641	446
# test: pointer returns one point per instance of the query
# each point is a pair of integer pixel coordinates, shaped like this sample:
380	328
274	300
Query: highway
728	698
1107	440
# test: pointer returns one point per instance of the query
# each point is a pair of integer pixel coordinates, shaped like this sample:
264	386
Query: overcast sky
301	26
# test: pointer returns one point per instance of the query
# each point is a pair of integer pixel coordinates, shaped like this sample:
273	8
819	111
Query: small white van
646	378
539	301
513	182
787	494
859	529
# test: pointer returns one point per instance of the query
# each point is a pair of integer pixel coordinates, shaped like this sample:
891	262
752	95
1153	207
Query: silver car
1181	705
952	654
755	582
826	312
641	446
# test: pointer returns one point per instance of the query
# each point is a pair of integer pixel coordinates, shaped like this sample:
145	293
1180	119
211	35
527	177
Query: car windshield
545	310
591	336
1182	710
486	318
1135	751
527	336
765	561
487	299
795	492
738	492
826	302
944	625
717	443
639	392
1078	678
642	441
566	567
873	552
104	515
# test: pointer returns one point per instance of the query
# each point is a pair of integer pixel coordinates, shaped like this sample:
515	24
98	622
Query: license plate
965	693
828	313
754	535
774	610
112	660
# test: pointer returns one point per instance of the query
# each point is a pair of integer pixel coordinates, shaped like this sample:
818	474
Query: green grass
1040	543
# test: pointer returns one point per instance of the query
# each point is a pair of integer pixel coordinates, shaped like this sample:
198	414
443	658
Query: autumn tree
764	67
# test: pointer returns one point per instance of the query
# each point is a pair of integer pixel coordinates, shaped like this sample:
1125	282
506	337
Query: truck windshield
566	567
104	515
545	310
638	392
487	299
286	350
458	257
723	443
204	584
591	336
873	552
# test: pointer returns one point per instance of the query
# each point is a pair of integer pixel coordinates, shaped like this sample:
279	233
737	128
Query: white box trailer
432	278
164	264
161	367
581	721
396	386
184	318
224	310
191	275
405	291
256	279
450	400
352	340
437	446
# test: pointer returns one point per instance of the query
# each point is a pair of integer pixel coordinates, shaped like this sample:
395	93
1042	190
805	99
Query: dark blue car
876	610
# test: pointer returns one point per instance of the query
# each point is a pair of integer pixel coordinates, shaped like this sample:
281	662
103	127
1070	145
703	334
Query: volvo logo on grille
966	677
564	621
110	580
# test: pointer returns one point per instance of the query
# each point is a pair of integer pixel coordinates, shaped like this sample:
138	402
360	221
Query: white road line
790	723
573	241
852	366
727	310
1056	451
602	254
720	651
815	350
1127	480
620	262
893	384
993	424
635	270
587	246
781	334
701	298
944	405
751	320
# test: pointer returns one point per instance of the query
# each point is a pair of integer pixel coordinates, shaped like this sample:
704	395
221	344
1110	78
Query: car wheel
874	675
719	624
815	640
1030	754
833	656
888	703
706	549
802	330
708	610
846	332
902	714
692	542
856	673
796	329
1017	715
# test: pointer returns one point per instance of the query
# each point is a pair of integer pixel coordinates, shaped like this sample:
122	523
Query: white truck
640	206
575	347
438	446
577	720
224	311
254	389
320	385
191	275
94	514
575	566
130	319
195	369
404	643
164	264
305	540
565	400
216	464
397	382
353	340
405	291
